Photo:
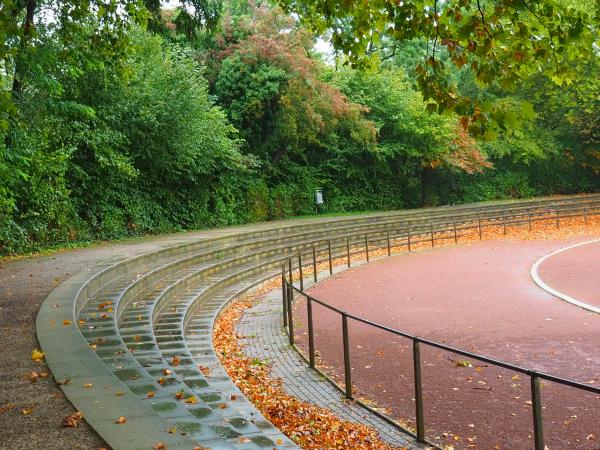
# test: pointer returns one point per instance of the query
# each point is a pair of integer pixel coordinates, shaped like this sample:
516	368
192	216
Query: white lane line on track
537	279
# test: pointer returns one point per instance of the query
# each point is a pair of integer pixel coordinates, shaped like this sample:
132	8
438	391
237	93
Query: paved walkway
264	338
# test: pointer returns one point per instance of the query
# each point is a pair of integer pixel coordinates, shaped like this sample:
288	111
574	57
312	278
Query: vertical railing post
408	237
557	219
284	295
529	215
329	255
300	270
367	246
290	312
536	406
389	243
347	368
504	223
311	335
348	249
455	235
314	264
420	417
480	232
585	221
431	230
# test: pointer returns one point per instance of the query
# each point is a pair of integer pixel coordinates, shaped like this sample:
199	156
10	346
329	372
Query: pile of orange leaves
309	426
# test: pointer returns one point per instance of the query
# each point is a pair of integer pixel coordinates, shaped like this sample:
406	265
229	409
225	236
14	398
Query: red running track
478	297
575	272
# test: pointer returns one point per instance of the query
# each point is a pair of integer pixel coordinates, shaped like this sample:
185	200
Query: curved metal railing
406	236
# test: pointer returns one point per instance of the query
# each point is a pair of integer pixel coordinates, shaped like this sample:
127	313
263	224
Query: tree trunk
21	58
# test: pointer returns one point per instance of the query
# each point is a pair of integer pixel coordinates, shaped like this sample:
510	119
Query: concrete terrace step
213	415
144	324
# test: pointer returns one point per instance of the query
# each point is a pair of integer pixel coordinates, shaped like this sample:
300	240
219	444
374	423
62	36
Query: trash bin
318	199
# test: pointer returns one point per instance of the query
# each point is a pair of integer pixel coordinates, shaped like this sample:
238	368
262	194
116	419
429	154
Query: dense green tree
533	140
293	123
117	149
175	141
109	130
411	142
68	74
502	42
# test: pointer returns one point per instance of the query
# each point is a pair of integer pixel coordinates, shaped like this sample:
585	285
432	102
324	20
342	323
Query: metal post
389	243
290	314
420	417
529	214
330	262
300	270
455	236
557	219
408	237
480	233
585	221
284	296
432	239
503	223
347	369
314	264
311	336
348	249
367	247
536	406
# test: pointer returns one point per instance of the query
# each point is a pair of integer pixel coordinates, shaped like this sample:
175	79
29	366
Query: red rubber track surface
478	297
575	272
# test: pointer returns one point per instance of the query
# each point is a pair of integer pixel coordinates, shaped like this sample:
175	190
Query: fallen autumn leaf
72	420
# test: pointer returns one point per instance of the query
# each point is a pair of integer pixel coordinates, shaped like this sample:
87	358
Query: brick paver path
264	337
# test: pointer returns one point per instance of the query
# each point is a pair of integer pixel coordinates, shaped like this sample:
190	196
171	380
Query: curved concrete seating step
142	360
143	325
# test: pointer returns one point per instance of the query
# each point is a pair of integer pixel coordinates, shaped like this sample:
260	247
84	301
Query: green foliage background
180	125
